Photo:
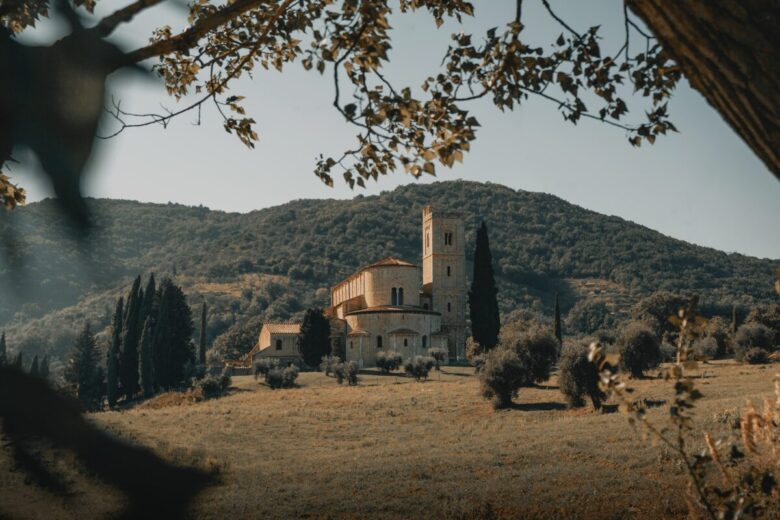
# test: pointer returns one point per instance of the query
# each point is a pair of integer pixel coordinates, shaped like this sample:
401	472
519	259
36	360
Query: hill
275	262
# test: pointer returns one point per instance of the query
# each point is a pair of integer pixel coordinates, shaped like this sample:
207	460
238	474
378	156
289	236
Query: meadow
395	448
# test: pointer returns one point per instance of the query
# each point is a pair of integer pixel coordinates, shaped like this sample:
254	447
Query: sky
703	185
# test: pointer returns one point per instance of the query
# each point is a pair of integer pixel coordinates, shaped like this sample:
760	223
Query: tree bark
730	52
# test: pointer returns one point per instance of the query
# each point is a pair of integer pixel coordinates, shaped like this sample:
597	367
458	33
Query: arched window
278	344
424	341
400	296
379	342
449	271
425	306
449	307
406	342
351	346
394	296
446	239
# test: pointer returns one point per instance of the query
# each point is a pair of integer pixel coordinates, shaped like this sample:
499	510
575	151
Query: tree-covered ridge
274	263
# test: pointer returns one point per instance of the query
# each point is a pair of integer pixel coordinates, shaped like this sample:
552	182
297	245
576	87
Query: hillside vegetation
275	262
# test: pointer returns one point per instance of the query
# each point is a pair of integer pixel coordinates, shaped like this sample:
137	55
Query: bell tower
444	273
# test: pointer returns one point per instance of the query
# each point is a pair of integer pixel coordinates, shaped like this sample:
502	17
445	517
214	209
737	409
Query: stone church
395	305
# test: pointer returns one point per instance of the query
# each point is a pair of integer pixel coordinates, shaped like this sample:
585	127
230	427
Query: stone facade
393	304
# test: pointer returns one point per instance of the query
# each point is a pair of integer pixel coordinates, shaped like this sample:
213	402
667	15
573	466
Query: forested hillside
273	263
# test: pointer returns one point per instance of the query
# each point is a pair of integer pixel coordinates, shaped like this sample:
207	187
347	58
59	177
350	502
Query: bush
478	362
328	364
212	386
668	352
706	347
289	375
262	367
502	375
388	361
578	377
751	335
339	372
439	355
419	367
539	348
756	356
639	349
352	373
275	378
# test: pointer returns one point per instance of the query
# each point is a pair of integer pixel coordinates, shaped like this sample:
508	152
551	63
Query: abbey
393	304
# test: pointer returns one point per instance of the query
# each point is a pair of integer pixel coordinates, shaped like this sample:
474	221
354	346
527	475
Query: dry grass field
395	448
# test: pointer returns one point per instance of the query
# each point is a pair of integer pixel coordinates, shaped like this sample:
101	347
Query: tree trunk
730	52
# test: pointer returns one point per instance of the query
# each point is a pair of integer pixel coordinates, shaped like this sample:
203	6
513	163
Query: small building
277	341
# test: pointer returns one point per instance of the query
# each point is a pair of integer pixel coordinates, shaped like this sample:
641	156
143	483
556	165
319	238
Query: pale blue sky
702	185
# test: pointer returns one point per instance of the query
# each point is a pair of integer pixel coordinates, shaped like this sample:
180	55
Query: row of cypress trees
37	368
150	341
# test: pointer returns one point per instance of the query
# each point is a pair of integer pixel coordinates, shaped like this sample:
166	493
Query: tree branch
107	25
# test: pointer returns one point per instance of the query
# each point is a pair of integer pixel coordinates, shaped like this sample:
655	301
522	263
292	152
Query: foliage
756	356
751	335
483	301
147	359
578	377
328	363
314	339
639	349
278	377
767	315
112	356
212	385
346	372
171	345
3	349
439	355
502	376
540	244
590	316
263	366
388	361
705	347
557	329
84	371
237	341
131	333
419	367
202	339
538	348
655	310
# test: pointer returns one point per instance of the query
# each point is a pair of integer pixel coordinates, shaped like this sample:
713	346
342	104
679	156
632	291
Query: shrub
339	372
756	356
351	373
706	347
439	355
579	377
275	378
419	367
668	352
328	364
539	348
289	375
639	349
502	375
262	367
388	361
212	385
751	335
478	362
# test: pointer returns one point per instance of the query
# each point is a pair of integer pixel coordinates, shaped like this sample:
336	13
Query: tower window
424	341
447	239
406	342
278	344
379	342
394	296
449	271
449	307
400	296
351	345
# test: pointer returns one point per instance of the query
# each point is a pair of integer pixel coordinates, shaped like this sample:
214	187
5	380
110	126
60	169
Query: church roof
358	332
390	261
283	327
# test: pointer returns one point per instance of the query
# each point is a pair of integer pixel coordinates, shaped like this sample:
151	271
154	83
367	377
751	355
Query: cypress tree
44	370
128	361
202	346
34	366
149	306
3	350
733	320
171	347
18	363
557	327
112	363
314	339
83	370
483	300
147	364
